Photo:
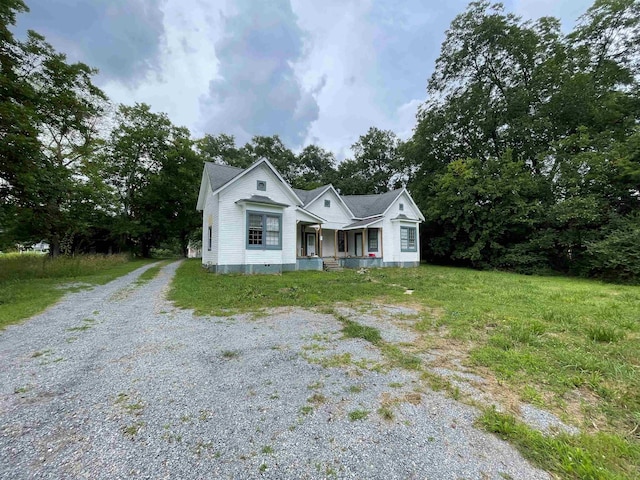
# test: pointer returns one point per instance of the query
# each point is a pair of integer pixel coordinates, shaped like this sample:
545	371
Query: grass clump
599	456
604	334
353	329
151	273
358	414
29	283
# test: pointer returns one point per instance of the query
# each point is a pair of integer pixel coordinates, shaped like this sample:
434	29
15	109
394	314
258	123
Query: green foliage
358	414
616	255
156	173
484	208
601	456
527	149
354	329
31	283
377	167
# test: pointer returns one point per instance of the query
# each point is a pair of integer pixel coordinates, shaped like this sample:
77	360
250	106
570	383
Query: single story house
254	222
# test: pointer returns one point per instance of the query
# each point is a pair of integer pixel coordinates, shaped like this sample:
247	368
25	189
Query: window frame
264	216
376	238
327	203
409	248
401	207
344	241
209	238
261	185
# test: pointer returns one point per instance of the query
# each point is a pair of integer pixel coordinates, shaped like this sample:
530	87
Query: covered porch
352	246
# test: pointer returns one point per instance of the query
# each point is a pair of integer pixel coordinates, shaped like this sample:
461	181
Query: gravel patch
545	421
391	329
119	386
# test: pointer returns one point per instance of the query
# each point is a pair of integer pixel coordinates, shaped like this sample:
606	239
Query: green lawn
569	345
31	283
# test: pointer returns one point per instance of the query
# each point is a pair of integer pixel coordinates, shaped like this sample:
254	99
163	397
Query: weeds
358	414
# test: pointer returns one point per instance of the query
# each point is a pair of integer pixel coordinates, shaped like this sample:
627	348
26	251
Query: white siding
233	251
336	215
210	218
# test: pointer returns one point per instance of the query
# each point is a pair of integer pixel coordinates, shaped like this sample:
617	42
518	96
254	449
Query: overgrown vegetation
29	283
601	455
525	155
568	344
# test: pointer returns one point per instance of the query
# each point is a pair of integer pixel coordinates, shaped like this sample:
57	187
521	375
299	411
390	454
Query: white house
254	222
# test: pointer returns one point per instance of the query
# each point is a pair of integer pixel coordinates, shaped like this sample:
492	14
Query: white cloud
187	65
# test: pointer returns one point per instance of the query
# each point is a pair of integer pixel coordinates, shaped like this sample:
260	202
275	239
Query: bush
617	256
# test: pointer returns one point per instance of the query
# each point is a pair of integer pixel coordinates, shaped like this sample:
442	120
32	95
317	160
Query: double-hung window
373	239
264	230
408	239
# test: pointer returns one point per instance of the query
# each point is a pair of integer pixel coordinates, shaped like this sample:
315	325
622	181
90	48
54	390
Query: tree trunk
54	246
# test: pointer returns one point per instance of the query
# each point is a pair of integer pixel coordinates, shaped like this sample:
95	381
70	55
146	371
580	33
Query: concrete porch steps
329	265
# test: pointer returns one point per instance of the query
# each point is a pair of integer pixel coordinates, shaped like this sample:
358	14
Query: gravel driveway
114	382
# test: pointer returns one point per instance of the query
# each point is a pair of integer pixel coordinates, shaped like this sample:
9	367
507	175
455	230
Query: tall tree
155	170
316	167
49	113
561	106
377	166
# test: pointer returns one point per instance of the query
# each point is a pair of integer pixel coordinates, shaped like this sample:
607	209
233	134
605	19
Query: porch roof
367	222
306	216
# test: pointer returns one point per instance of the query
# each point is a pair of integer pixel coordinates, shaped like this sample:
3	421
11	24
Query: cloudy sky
310	71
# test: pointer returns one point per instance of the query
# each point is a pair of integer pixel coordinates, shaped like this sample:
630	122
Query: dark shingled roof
307	195
363	223
220	174
262	200
364	206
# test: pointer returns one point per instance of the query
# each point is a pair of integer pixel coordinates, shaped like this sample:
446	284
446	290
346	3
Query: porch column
335	244
362	240
320	241
380	240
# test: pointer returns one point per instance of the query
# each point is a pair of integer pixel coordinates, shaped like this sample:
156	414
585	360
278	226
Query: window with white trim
372	236
264	230
408	239
261	185
209	237
327	203
401	206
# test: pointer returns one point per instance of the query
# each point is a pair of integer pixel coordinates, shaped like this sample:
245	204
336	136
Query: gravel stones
105	385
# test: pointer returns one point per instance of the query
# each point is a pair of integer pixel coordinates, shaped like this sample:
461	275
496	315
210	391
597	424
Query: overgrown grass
600	456
213	294
570	344
29	283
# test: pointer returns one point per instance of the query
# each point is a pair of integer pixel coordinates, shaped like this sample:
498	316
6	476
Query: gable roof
220	174
359	206
221	178
364	206
307	196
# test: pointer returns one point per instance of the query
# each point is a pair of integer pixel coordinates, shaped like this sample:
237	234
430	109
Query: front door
358	240
311	244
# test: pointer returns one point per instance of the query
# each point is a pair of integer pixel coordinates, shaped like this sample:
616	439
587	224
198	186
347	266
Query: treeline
526	155
528	150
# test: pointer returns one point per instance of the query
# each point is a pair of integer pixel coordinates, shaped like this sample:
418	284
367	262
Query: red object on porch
372	254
